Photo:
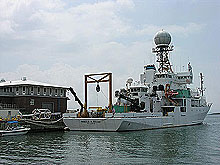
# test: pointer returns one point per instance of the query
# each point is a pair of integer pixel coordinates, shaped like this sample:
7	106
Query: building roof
28	82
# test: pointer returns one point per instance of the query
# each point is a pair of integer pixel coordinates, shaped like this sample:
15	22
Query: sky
58	41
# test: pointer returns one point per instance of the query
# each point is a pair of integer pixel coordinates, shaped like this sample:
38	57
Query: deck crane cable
97	97
98	89
104	95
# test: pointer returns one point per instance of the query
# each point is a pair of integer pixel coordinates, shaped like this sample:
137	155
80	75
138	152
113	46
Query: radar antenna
162	40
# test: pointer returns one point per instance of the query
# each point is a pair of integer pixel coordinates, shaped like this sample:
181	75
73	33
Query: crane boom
77	99
134	103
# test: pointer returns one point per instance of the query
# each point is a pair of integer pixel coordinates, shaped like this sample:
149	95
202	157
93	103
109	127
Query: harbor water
184	145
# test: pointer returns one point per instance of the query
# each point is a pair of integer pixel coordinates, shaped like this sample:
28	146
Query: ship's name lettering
90	121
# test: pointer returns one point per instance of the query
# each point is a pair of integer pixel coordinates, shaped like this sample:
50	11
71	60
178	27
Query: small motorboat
18	130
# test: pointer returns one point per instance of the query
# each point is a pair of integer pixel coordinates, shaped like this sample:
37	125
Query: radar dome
162	38
130	80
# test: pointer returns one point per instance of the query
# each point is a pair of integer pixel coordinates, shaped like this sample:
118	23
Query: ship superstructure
160	98
158	90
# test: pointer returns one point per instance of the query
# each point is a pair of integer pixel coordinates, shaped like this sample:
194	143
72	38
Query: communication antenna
202	89
162	40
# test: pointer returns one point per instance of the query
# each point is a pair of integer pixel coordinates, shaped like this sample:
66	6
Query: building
27	95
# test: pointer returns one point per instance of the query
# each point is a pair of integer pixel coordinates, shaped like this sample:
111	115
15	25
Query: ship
161	98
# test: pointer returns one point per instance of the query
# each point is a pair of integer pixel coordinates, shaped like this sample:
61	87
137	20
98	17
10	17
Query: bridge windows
139	89
163	76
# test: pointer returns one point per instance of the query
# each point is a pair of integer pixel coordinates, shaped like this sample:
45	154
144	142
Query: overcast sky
58	41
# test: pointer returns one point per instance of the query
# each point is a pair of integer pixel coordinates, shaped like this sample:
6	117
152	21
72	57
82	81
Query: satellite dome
162	38
130	80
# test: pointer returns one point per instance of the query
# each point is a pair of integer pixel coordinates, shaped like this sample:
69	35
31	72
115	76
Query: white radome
130	80
162	38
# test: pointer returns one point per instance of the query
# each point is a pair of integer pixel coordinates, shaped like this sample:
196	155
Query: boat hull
14	132
136	121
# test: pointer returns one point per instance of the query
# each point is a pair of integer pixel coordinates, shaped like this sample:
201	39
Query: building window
32	90
38	90
5	89
45	90
32	102
61	92
17	90
23	90
10	89
50	91
56	91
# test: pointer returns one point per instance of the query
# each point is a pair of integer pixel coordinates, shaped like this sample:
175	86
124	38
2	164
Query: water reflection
34	148
196	144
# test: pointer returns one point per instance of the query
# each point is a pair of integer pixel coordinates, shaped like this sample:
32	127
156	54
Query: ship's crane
134	102
77	99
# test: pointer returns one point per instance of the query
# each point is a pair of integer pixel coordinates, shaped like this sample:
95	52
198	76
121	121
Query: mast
202	89
162	40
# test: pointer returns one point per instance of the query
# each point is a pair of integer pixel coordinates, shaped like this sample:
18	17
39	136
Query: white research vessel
160	99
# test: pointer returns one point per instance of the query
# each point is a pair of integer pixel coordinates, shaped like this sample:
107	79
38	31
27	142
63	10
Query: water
184	145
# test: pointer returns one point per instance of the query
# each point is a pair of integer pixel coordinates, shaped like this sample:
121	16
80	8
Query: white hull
14	132
137	121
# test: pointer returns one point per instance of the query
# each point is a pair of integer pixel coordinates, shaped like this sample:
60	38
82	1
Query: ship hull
137	121
14	132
